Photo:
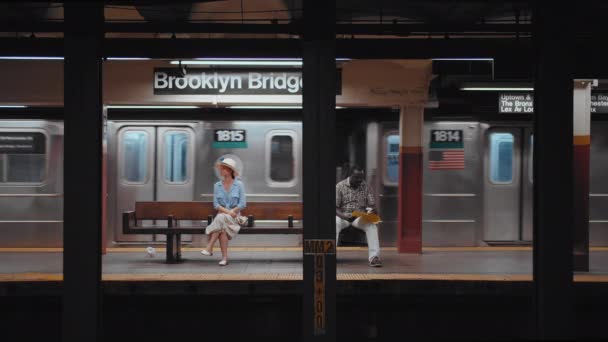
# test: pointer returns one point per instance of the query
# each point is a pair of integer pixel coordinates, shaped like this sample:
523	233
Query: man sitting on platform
352	194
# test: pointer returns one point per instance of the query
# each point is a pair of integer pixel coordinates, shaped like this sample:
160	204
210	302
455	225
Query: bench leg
178	247
173	249
170	254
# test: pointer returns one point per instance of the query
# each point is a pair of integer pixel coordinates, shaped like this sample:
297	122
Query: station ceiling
433	16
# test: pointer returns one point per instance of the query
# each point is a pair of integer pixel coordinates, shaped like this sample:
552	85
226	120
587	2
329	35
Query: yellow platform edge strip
35	277
290	249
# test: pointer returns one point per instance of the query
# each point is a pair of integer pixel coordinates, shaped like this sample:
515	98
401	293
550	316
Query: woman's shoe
204	252
224	262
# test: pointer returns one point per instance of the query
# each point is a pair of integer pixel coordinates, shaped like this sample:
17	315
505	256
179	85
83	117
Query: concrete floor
136	261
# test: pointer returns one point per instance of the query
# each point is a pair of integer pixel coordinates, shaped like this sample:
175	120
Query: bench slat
179	210
274	210
159	230
200	210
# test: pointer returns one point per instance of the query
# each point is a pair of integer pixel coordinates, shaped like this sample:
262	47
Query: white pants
371	231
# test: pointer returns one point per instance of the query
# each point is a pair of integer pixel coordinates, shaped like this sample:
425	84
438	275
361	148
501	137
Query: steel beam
318	124
553	175
82	172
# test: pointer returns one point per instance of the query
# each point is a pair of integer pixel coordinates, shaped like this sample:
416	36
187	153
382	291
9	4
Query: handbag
242	220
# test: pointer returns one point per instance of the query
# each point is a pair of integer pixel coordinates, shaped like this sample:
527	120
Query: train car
489	201
486	202
174	161
31	183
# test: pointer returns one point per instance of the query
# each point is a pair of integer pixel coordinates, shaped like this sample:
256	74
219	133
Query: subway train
485	198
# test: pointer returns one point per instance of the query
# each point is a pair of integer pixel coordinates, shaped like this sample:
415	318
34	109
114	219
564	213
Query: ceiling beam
274	28
346	48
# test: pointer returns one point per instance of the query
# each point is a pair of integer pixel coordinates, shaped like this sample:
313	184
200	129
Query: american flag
446	160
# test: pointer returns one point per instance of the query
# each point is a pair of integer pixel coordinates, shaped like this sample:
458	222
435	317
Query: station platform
285	264
468	292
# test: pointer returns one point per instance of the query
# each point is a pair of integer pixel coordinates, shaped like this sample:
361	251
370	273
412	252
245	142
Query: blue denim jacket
233	198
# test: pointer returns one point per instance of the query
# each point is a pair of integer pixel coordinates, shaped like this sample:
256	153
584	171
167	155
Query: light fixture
34	58
496	89
13	106
128	59
247	61
463	59
264	107
270	107
151	107
496	86
29	58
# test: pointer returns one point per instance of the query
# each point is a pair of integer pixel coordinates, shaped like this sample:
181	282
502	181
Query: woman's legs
211	241
224	245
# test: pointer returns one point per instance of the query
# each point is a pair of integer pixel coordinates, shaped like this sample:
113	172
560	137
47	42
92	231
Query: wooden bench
174	212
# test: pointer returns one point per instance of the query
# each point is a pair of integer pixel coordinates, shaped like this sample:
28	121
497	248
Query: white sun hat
229	163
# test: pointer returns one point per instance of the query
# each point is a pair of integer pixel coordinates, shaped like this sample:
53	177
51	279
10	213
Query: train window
391	176
501	158
176	157
25	168
281	158
135	156
22	157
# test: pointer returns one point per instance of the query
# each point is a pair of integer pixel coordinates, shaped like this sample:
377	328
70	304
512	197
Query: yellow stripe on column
582	140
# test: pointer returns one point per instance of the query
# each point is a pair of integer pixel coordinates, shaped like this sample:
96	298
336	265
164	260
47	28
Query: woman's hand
233	212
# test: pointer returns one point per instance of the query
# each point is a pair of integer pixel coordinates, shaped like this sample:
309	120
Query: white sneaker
204	252
224	262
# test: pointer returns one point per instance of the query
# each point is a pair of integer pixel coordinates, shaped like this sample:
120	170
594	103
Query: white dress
224	223
234	197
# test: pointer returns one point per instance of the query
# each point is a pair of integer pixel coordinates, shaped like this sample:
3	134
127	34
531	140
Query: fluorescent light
128	59
497	88
152	107
462	59
30	58
61	58
265	107
246	61
241	62
270	107
13	106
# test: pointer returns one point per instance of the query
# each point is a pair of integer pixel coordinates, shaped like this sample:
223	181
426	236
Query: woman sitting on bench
228	199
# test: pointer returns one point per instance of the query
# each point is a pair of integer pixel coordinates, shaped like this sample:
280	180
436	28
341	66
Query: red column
410	180
581	202
410	200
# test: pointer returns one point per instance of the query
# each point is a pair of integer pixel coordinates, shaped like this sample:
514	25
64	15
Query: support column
553	176
319	129
411	122
581	152
82	171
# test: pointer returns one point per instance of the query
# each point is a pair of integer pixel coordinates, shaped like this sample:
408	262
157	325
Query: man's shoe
375	262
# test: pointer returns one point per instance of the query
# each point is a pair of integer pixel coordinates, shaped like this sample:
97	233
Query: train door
508	185
155	163
388	179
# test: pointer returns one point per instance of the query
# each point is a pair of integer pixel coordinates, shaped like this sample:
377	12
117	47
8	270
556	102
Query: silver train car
489	202
174	161
31	183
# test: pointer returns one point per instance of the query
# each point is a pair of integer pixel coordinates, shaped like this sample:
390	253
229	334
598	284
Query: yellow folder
366	218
